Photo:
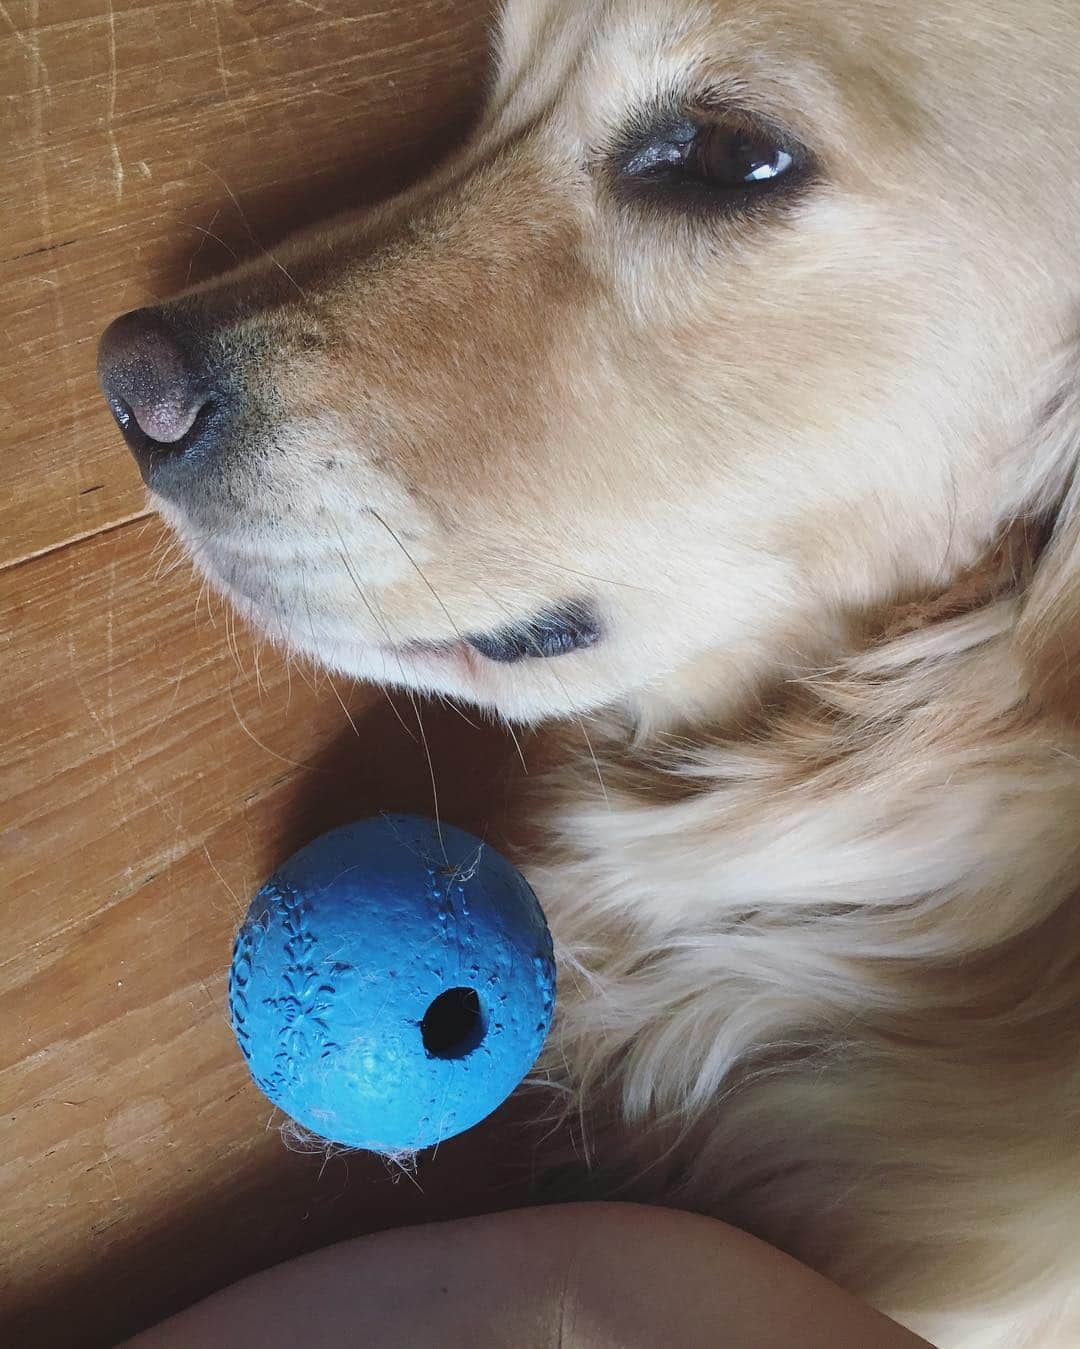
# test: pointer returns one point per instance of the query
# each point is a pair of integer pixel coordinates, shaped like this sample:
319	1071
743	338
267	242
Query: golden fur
817	900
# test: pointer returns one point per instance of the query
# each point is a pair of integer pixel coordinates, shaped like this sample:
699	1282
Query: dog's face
725	323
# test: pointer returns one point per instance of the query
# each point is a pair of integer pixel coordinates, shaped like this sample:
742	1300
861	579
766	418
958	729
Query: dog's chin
262	578
524	694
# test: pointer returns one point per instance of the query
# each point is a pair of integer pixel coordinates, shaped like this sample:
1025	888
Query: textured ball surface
392	984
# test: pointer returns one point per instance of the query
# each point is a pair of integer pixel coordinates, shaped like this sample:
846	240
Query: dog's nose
156	385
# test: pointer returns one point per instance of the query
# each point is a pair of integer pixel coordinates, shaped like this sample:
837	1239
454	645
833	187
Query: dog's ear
1049	628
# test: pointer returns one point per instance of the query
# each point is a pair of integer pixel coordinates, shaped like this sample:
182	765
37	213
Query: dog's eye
730	162
733	157
573	627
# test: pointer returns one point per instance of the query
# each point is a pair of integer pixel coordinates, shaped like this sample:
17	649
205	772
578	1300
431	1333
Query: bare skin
597	1276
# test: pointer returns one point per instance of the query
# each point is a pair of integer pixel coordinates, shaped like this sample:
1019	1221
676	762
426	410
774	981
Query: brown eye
729	163
734	158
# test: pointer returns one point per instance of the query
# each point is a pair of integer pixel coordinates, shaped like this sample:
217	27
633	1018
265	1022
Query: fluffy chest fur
822	977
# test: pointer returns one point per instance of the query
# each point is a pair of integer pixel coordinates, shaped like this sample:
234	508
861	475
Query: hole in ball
453	1026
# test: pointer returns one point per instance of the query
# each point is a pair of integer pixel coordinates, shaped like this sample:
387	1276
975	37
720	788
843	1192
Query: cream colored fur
813	858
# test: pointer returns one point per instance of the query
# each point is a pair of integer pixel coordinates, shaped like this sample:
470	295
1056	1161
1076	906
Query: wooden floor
149	776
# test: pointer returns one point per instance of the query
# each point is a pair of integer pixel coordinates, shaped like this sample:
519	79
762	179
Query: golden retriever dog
720	401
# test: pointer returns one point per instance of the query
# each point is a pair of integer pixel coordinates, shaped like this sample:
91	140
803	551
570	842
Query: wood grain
154	767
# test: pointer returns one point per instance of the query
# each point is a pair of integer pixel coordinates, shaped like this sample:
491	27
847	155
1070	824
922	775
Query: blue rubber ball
392	984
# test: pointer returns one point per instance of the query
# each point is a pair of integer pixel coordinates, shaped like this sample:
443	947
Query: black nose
159	389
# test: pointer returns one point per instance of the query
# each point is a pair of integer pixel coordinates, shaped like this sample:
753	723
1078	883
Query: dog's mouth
571	626
277	600
560	631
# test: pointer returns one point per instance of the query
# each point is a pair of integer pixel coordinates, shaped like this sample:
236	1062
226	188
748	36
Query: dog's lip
422	648
457	652
441	654
264	609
